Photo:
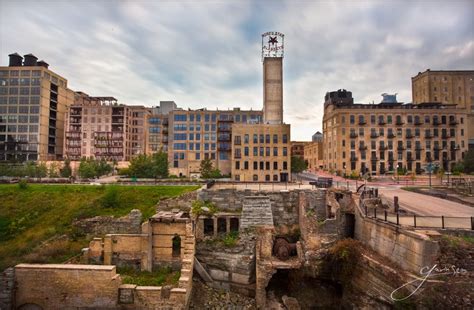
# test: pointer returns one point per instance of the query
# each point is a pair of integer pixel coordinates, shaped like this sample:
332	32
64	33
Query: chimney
30	60
42	63
15	60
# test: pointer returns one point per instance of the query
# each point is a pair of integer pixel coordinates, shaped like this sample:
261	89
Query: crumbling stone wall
284	204
231	268
102	225
7	286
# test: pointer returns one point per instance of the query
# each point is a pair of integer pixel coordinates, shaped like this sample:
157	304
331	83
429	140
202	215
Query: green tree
66	171
208	171
458	168
298	164
469	161
87	168
161	168
53	171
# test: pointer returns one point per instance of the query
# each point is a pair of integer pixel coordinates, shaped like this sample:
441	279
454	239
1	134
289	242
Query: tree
208	171
469	161
298	164
161	169
66	171
87	168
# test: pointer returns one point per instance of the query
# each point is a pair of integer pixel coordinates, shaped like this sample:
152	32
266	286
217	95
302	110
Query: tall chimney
15	60
30	60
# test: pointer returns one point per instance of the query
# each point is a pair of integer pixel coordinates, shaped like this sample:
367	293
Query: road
426	205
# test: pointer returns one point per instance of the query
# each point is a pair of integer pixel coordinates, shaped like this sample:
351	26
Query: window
352	119
285	151
275	165
246	165
246	139
246	151
267	138
255	151
285	138
255	138
237	165
285	165
237	140
180	117
255	165
261	139
275	138
255	177
275	151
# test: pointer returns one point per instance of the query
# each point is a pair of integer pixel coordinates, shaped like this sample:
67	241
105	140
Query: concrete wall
408	249
67	286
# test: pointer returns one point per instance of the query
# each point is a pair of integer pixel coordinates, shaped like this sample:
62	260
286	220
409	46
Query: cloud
207	54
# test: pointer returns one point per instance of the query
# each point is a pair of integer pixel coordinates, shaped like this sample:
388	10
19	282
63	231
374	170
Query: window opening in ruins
208	227
221	225
176	245
234	224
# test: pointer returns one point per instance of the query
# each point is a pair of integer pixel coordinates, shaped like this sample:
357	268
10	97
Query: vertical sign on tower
272	44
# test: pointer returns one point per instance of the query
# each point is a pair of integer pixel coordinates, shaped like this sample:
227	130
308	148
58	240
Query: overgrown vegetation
200	207
148	166
92	168
29	169
231	239
38	213
160	277
343	257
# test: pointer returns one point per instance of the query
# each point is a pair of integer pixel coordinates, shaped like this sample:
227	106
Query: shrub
23	184
110	198
343	256
231	239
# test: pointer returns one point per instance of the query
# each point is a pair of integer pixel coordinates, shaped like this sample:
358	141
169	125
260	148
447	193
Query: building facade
33	104
100	128
382	138
297	148
447	87
313	155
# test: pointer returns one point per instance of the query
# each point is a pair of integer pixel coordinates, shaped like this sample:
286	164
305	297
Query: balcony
353	135
383	147
399	123
437	148
362	147
446	136
410	159
224	128
390	136
362	122
453	122
401	148
409	136
374	135
419	149
418	123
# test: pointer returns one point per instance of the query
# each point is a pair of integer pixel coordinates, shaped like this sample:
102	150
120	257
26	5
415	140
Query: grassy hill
31	215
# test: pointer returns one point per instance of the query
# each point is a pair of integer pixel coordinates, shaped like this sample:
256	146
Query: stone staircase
256	211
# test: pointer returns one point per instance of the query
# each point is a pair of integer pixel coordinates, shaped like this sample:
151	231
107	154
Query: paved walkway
427	205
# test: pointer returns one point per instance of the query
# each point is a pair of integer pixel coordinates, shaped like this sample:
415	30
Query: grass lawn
162	276
35	214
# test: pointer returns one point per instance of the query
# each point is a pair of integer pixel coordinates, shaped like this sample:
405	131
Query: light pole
398	173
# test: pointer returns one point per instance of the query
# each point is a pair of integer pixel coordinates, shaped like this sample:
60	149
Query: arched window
176	245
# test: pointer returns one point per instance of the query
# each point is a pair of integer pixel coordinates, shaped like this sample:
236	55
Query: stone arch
30	306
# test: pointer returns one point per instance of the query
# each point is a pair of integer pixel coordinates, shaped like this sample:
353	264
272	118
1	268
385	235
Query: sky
208	53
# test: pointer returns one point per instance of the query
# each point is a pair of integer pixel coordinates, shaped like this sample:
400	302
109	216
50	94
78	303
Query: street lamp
398	173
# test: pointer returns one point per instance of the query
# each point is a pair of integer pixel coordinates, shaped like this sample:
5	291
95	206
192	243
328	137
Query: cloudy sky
207	53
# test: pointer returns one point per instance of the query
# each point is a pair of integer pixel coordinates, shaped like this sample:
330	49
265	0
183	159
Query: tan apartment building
448	87
313	155
297	148
33	103
261	152
194	135
100	128
379	138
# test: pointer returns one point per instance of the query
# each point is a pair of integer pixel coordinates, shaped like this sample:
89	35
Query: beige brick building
313	155
261	152
378	138
297	148
33	103
448	87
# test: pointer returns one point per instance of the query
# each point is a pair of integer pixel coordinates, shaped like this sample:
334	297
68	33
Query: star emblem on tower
273	40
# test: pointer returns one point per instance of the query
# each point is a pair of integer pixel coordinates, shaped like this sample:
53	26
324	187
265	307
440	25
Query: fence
418	221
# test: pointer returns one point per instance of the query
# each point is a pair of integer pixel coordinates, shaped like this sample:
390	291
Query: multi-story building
313	152
297	148
380	138
189	136
447	87
33	103
100	128
261	151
